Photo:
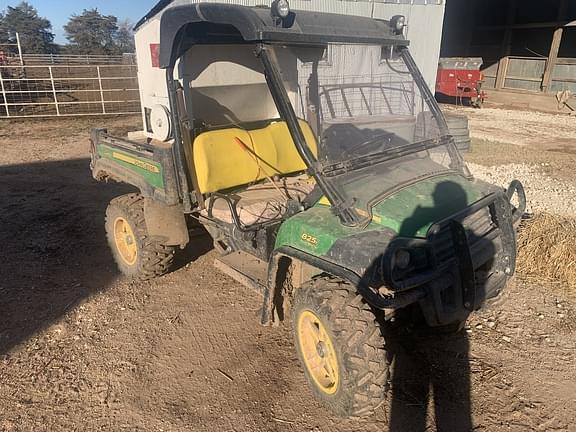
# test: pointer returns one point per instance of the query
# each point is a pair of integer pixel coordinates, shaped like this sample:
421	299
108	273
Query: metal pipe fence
11	47
66	91
68	59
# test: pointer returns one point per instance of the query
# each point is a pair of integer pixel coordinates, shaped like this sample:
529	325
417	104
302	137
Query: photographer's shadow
430	374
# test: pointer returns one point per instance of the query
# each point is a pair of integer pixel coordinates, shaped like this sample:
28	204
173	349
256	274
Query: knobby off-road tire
354	340
138	255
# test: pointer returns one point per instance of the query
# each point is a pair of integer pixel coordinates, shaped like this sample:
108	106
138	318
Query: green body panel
150	170
409	213
412	211
313	231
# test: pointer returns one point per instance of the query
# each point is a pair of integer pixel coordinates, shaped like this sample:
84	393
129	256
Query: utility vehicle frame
334	189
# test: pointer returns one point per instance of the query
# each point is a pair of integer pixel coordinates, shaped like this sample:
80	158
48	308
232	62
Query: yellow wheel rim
125	241
318	352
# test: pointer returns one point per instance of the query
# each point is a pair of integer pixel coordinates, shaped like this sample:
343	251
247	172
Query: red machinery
461	78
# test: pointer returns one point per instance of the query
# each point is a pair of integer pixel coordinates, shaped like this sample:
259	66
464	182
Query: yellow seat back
222	163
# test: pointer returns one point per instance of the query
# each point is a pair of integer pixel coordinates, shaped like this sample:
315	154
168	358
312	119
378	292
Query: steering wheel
371	142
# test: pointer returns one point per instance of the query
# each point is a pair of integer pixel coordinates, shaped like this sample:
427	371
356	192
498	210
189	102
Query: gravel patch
517	127
544	193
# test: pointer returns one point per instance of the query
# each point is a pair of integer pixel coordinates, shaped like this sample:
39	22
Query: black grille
482	234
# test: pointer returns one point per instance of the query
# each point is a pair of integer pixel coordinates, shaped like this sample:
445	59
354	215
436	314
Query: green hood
411	211
407	213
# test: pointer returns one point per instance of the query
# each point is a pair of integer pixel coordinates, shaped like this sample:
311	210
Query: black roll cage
184	178
210	23
239	24
342	209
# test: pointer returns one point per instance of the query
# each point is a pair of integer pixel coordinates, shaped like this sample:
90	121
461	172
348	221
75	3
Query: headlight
280	8
407	264
402	259
409	260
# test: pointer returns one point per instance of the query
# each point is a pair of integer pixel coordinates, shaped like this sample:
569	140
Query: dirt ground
83	349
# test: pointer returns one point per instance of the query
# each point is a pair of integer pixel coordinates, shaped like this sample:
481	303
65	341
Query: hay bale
547	248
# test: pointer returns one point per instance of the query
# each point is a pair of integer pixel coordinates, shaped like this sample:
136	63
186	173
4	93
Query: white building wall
425	23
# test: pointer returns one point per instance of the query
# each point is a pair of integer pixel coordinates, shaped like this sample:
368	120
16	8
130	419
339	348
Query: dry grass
547	248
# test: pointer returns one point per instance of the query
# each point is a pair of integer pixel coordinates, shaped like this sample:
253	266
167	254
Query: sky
58	12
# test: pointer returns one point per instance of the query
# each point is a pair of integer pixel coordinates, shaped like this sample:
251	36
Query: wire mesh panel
71	90
357	81
357	96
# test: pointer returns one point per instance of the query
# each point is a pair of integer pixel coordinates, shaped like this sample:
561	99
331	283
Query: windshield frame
343	208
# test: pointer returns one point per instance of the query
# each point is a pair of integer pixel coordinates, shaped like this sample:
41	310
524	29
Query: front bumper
473	255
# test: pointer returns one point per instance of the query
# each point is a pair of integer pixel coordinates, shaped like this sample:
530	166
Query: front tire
341	347
138	255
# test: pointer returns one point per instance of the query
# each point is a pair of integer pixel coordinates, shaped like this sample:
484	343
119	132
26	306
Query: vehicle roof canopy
210	23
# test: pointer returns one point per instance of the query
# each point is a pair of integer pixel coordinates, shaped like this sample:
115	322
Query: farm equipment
310	148
460	78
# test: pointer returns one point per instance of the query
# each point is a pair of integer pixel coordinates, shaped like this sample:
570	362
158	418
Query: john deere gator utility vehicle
312	151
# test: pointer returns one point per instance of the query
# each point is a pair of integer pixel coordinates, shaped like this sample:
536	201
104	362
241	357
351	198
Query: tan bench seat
262	202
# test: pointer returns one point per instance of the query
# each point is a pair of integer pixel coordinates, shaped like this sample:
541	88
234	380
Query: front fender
362	286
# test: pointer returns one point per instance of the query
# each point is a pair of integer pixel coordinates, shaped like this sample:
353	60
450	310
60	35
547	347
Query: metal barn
527	45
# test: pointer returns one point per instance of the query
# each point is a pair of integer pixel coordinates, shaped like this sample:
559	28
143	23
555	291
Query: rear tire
349	347
137	254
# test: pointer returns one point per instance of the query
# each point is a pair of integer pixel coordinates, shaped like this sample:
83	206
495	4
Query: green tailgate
150	170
